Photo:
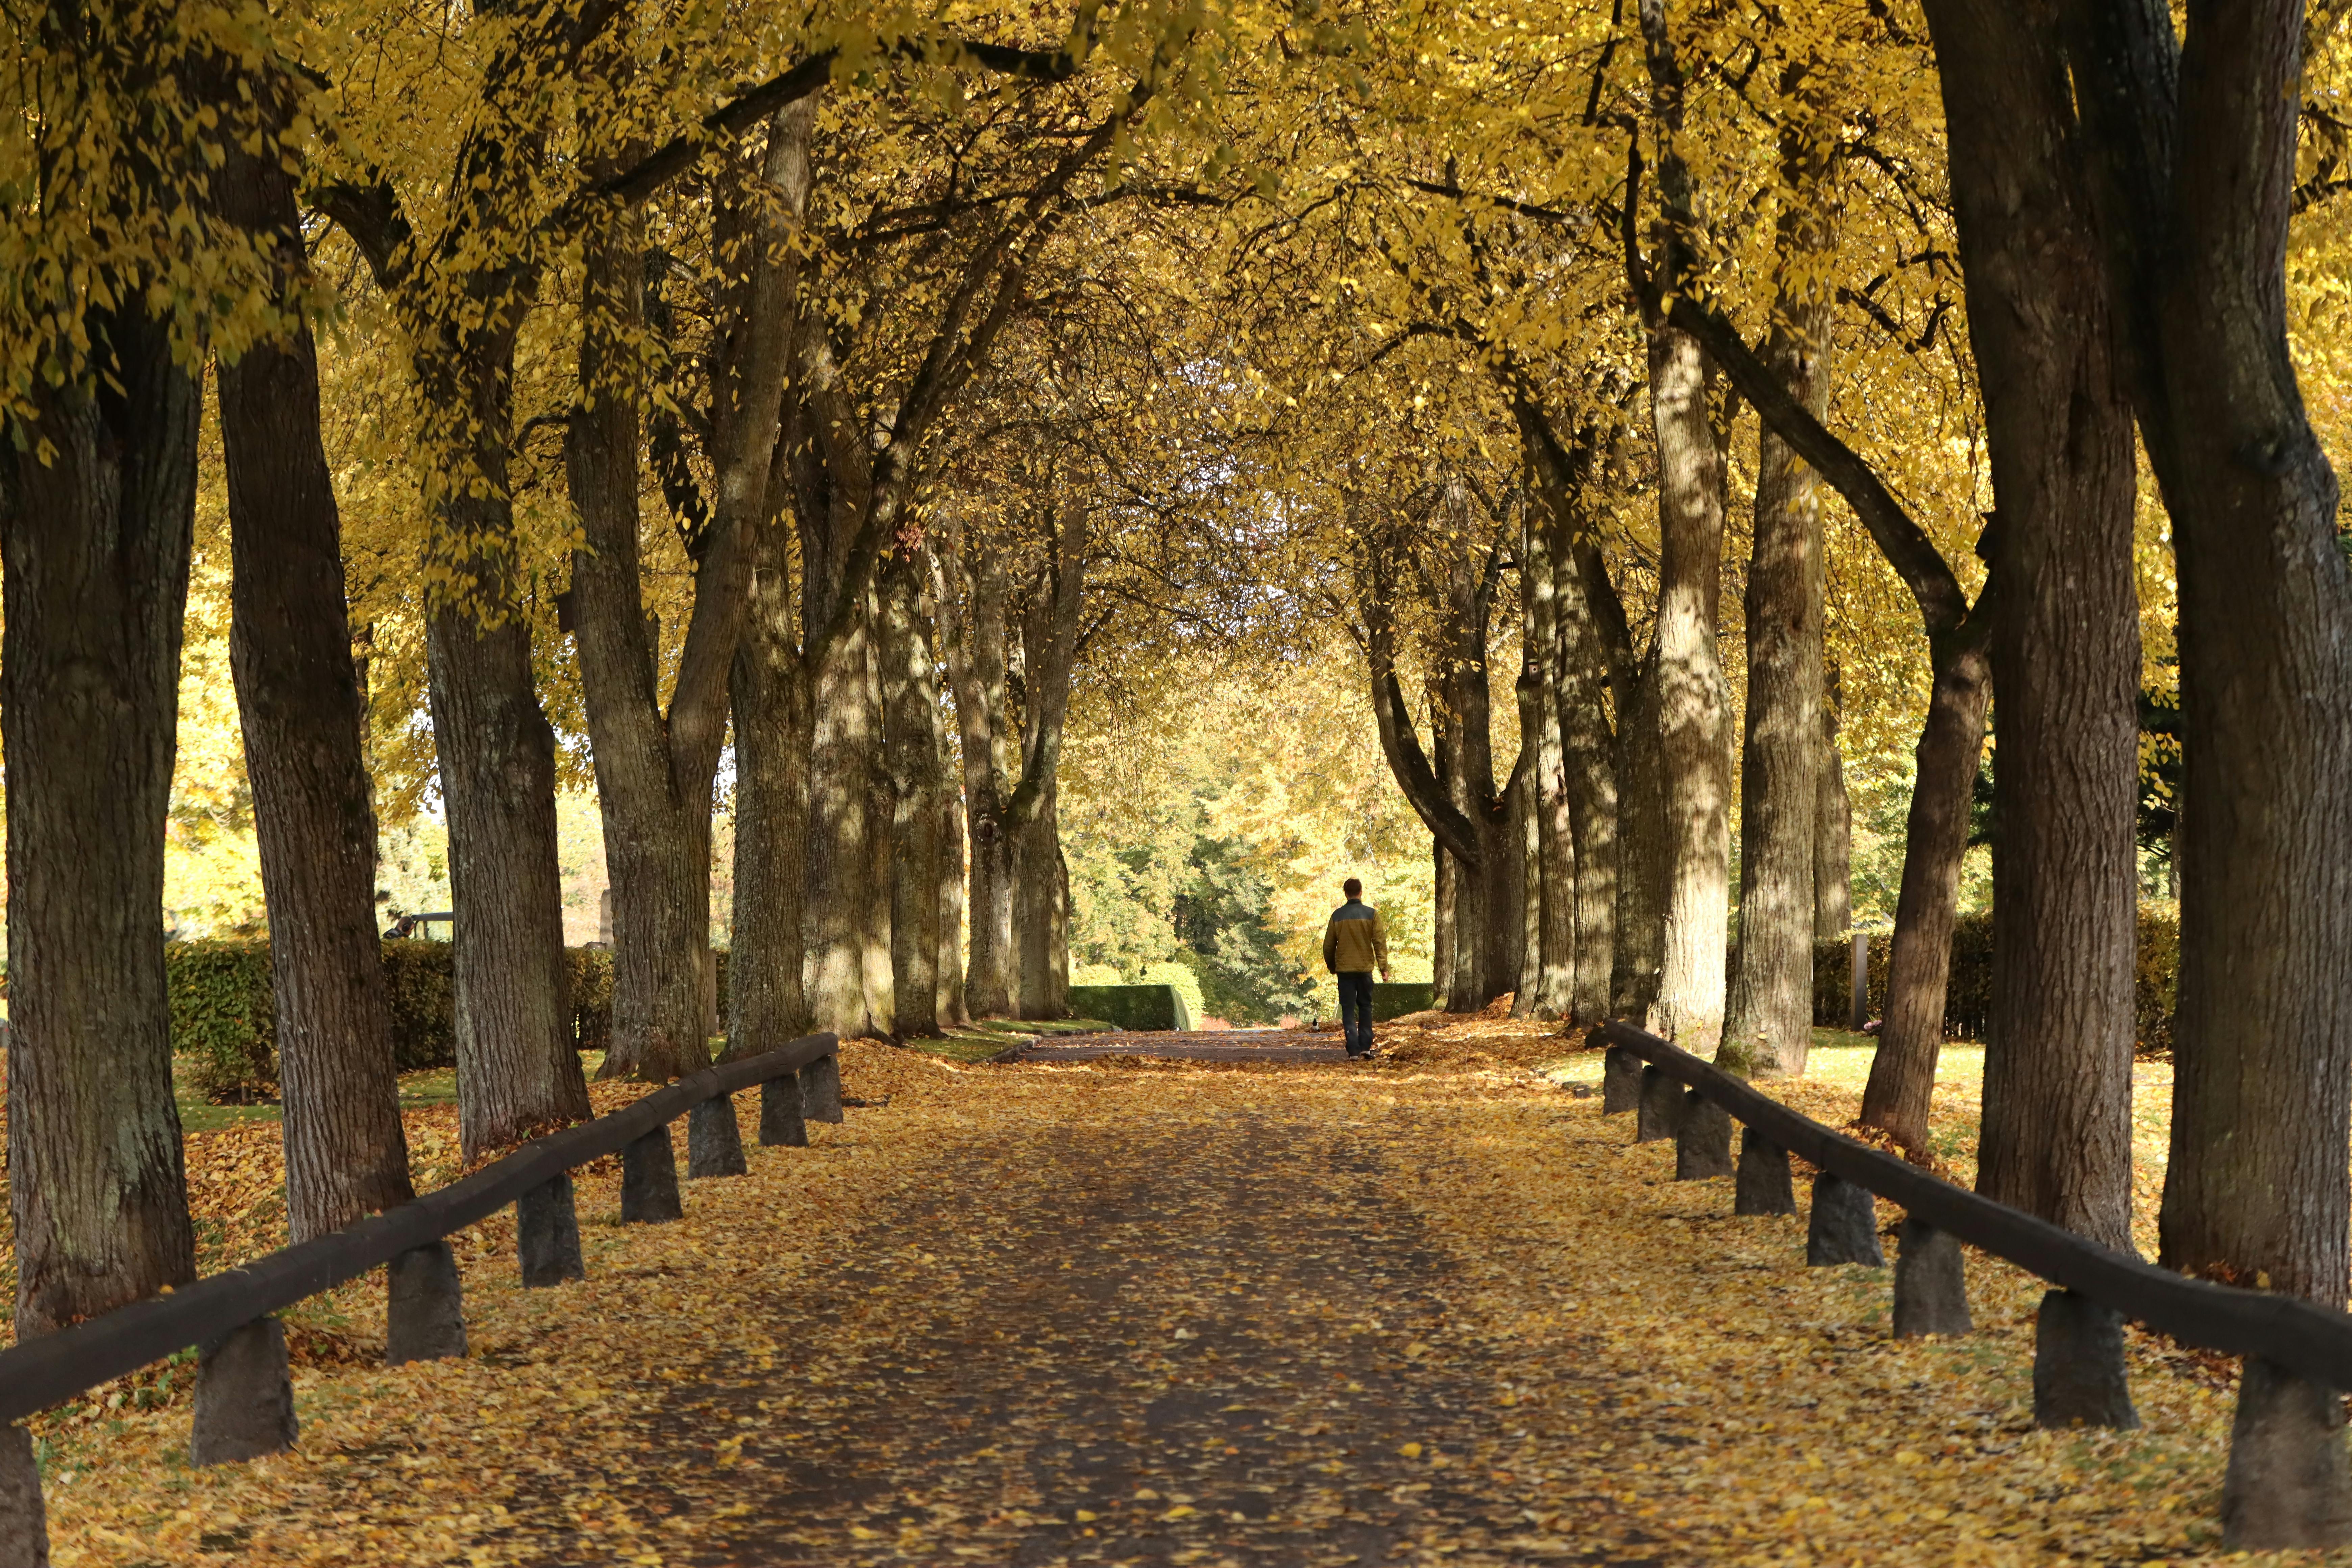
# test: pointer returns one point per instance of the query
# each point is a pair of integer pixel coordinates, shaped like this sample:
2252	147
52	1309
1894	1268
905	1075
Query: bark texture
1548	970
1770	1026
2066	640
2193	150
911	698
655	765
977	664
94	547
460	302
1832	829
302	711
1691	707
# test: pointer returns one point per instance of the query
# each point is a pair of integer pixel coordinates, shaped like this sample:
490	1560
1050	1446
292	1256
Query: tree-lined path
1435	1311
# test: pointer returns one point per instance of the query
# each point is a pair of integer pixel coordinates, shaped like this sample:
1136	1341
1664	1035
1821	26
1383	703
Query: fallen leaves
1083	1313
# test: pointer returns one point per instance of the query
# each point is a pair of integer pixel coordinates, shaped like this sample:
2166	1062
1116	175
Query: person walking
1354	944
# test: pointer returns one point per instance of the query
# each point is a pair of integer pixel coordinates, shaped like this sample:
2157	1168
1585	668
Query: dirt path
1290	1046
1123	1310
1173	1346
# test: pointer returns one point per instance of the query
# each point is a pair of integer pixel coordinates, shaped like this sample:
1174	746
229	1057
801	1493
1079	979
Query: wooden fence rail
244	1398
2264	1504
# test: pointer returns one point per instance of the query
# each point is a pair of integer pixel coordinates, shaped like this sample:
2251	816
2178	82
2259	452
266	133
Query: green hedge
1396	999
1968	999
1135	1008
223	1021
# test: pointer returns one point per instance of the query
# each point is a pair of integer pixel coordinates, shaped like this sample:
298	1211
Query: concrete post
245	1397
1620	1081
1702	1140
424	1315
649	1181
547	1235
1662	1104
1762	1186
714	1142
1844	1226
781	1121
2287	1486
820	1090
24	1522
2079	1379
1931	1286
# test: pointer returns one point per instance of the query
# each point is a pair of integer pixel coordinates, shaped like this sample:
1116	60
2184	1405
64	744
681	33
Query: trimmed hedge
1132	1008
1968	998
224	1019
1396	999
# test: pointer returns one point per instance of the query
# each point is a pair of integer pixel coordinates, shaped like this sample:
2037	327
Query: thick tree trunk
2195	153
1832	831
1041	913
1443	898
497	782
1049	647
1770	1022
94	547
1911	1038
2198	146
1644	856
1548	983
1692	706
1591	647
661	884
300	710
910	700
766	1004
976	662
952	1011
844	758
2065	635
1592	811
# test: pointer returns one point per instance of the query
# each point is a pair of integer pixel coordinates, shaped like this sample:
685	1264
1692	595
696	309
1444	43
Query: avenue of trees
1640	406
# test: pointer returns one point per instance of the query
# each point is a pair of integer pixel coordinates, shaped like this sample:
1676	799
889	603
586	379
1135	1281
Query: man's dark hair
1352	888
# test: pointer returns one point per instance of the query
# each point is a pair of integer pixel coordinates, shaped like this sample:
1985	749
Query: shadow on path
1104	1343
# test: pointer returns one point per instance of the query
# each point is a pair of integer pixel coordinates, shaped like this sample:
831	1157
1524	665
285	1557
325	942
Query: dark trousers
1356	1011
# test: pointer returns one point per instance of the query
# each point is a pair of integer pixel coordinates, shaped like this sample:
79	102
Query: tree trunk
953	1012
1644	859
1041	915
844	760
1547	986
661	889
1592	811
911	706
1049	643
497	782
1591	651
94	547
2195	150
2066	651
1770	1022
299	708
1911	1038
1692	707
1443	900
976	654
1832	830
766	1004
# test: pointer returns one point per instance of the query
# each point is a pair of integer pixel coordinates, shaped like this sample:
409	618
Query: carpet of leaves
1431	1310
